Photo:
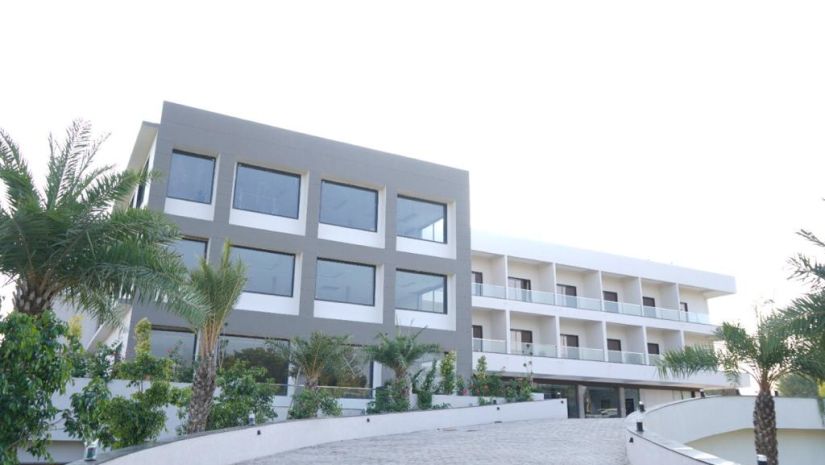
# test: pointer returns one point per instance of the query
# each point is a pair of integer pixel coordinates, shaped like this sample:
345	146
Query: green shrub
425	388
243	390
484	383
309	402
448	375
390	398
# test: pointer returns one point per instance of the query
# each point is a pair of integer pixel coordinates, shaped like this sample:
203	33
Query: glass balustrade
586	303
533	349
581	353
489	345
653	359
631	358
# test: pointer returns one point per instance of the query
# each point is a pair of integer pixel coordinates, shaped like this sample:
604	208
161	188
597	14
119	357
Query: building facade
351	241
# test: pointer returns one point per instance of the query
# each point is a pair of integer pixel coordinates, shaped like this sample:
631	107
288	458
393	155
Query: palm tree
767	355
220	289
400	354
319	355
74	239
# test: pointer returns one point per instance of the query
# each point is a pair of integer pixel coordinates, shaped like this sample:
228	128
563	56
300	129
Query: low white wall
669	427
237	445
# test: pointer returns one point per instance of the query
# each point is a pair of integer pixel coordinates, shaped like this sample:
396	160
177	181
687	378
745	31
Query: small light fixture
761	459
640	427
702	393
251	419
641	406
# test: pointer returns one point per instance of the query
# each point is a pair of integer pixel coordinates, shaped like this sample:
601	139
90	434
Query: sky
680	132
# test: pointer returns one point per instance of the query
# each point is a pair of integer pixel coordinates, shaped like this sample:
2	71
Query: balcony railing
489	345
587	303
533	349
489	290
653	359
619	356
581	353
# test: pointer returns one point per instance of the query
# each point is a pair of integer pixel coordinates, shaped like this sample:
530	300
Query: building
351	241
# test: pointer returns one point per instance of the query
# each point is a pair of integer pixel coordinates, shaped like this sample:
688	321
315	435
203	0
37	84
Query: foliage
308	402
424	389
484	383
243	390
392	397
311	358
520	389
141	417
797	385
263	357
34	364
85	419
461	386
399	354
220	288
448	375
76	239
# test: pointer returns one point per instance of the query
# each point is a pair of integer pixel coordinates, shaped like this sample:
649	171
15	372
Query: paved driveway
562	442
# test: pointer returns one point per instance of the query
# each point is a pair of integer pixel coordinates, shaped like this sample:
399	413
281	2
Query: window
191	177
478	336
521	341
478	277
190	251
140	195
175	344
267	191
349	206
267	272
344	282
570	346
648	301
649	307
520	288
421	219
683	306
352	381
478	332
420	291
652	348
568	295
614	344
255	352
569	340
611	301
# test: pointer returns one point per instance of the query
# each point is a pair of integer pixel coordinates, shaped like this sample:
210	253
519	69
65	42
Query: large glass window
190	251
601	402
349	206
421	291
191	177
179	346
353	380
255	352
267	272
267	191
421	219
350	283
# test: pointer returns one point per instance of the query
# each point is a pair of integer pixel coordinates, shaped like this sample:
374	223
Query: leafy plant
392	397
399	354
321	354
448	375
308	402
520	389
483	383
244	390
34	364
424	389
797	385
141	416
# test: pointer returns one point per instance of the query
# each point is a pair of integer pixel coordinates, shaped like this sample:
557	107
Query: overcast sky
687	133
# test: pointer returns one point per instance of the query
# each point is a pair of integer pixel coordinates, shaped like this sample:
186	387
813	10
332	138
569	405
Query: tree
220	288
310	359
34	364
73	240
447	369
76	240
399	354
767	356
244	390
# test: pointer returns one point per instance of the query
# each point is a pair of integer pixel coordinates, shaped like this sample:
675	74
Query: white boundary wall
669	427
237	445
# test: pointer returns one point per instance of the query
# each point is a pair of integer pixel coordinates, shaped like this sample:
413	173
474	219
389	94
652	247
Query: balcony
619	356
587	303
653	359
581	353
533	349
495	346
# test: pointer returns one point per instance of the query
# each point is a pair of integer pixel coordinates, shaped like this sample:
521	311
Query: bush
425	389
309	402
390	398
448	376
483	383
243	390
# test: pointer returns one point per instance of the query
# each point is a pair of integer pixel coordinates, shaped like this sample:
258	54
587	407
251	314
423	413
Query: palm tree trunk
203	388
764	426
30	298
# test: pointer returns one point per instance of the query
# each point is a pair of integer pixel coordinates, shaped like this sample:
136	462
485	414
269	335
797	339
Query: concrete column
622	410
580	391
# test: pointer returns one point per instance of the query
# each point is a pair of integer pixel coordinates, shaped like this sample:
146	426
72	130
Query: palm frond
687	362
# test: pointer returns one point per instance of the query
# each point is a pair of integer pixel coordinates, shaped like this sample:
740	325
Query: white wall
571	278
224	448
667	340
543	328
695	300
796	446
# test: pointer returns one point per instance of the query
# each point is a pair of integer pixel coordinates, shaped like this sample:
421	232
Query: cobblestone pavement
562	442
